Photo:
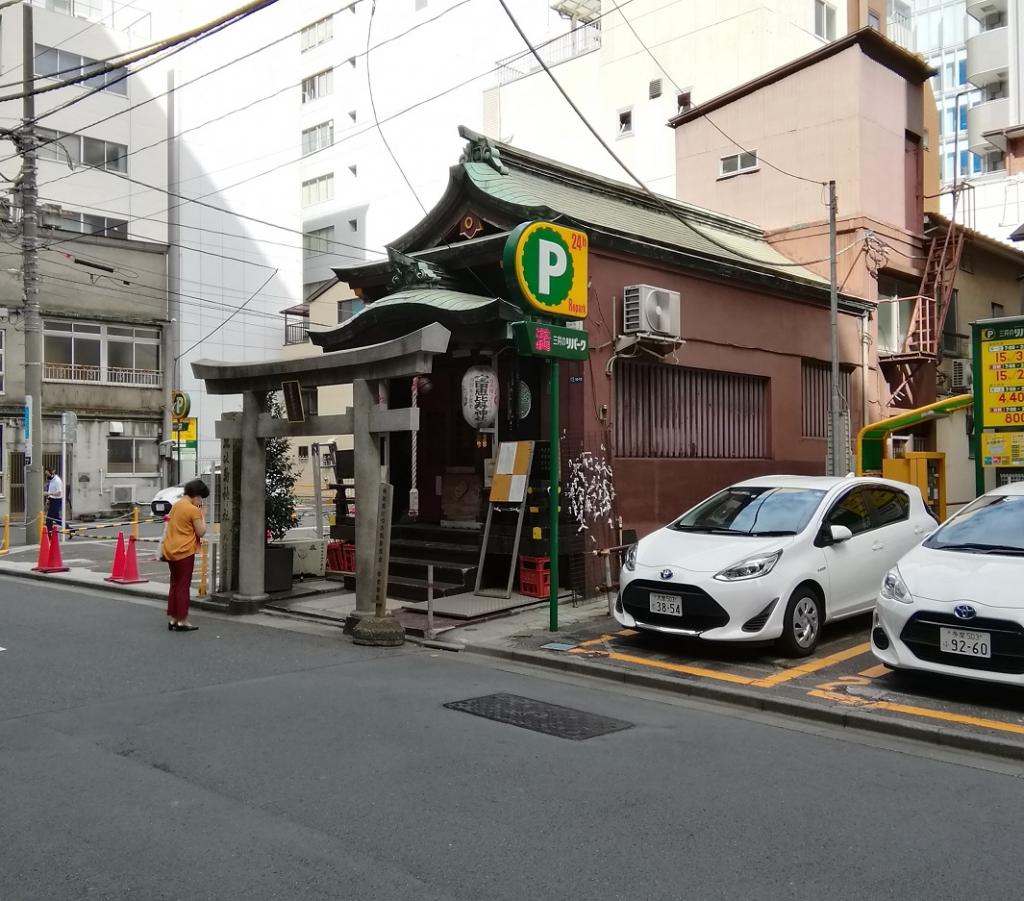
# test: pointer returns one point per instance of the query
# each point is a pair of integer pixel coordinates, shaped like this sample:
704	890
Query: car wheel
801	627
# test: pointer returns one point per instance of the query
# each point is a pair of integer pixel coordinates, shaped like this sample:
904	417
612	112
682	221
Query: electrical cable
226	320
658	200
705	116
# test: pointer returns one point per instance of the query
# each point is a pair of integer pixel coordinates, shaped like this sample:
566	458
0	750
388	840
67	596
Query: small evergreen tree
281	478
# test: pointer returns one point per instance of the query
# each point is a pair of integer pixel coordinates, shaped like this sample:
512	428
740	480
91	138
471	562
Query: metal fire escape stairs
922	343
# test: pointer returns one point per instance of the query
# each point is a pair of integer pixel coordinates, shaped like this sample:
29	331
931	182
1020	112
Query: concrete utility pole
26	142
837	461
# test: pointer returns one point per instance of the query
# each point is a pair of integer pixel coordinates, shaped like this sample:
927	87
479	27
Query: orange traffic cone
54	564
131	567
117	570
44	553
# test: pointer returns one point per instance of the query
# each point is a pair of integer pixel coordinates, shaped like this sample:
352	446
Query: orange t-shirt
180	539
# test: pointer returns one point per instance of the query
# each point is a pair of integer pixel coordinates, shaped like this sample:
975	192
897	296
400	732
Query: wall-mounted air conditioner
122	495
647	310
962	376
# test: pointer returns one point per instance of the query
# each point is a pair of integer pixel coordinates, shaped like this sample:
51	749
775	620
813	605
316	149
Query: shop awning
416	307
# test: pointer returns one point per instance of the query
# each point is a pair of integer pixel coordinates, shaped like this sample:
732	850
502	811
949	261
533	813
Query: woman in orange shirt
185	527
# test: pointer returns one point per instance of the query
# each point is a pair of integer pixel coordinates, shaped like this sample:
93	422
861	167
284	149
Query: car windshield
753	510
993	524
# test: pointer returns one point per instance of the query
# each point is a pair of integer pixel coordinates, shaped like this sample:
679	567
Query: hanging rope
414	494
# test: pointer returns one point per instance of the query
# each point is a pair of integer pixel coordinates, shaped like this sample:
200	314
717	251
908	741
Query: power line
705	116
138	55
658	200
226	320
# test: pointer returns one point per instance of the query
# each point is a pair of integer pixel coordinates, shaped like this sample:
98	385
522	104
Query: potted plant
279	508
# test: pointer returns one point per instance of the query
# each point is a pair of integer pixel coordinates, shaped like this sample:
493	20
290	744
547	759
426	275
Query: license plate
962	641
666	604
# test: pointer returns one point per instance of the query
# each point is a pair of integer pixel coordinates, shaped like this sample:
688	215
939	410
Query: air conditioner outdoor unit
647	310
123	495
962	376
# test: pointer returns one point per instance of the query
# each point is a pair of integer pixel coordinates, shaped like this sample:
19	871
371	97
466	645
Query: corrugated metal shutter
671	411
814	379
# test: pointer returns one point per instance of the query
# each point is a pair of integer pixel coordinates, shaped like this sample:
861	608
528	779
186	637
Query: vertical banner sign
27	429
998	389
546	266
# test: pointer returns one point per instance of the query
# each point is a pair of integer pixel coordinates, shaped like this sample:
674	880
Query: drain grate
539	716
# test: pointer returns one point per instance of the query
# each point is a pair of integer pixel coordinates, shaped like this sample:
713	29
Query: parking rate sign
1001	374
546	266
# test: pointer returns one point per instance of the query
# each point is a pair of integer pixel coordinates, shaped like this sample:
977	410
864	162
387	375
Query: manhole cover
551	719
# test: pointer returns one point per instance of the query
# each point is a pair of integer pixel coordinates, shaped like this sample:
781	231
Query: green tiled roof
547	192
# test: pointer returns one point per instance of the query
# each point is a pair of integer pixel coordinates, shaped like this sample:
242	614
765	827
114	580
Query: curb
741	697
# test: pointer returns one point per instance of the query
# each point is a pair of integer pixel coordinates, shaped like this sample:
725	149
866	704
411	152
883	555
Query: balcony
992	115
988	57
296	332
982	9
114	376
581	40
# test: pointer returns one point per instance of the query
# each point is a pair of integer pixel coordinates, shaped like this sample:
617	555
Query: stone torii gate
242	516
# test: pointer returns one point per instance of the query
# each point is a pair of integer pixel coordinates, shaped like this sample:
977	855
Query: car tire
801	626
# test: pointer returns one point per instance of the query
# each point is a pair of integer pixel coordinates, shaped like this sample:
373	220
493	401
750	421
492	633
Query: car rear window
753	510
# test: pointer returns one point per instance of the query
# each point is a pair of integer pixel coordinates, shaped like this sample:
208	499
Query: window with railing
101	354
296	324
317	33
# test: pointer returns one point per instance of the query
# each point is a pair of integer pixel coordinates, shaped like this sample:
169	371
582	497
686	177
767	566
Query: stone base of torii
243	474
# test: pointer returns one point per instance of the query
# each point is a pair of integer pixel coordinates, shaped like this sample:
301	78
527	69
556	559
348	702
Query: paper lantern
480	396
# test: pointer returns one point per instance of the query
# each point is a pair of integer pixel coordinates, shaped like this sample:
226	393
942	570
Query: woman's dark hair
197	488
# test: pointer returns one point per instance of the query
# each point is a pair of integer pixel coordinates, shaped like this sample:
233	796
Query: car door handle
878	547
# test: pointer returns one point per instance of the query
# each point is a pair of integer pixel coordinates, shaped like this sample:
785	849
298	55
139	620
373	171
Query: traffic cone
54	564
44	553
117	570
131	567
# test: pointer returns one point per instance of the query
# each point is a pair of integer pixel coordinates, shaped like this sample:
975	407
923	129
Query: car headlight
751	568
895	589
629	564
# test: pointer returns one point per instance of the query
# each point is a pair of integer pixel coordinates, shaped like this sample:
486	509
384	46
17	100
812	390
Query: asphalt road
251	762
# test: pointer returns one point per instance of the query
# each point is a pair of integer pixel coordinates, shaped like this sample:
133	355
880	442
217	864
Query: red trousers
181	584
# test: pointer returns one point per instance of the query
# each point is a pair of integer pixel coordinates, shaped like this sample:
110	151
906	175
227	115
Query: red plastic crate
535	576
348	554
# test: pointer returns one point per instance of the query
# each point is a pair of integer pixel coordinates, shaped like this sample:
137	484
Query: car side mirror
839	534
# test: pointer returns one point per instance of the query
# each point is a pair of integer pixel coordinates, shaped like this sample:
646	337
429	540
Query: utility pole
837	461
33	323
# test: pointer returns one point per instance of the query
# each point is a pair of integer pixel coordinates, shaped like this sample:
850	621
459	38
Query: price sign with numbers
1001	374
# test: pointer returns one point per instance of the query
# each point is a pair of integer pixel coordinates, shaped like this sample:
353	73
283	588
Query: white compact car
772	558
955	605
165	499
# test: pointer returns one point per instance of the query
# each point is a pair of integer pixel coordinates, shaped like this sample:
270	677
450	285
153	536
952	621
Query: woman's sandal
182	627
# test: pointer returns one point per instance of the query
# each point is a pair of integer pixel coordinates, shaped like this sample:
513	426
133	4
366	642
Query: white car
165	499
955	605
771	558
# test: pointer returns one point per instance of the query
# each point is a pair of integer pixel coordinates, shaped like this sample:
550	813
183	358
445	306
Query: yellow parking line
682	668
960	718
805	669
601	639
874	672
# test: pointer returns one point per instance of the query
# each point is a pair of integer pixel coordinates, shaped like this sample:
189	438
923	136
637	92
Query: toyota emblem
964	611
666	574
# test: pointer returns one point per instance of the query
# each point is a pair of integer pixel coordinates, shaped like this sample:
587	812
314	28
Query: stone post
230	497
252	528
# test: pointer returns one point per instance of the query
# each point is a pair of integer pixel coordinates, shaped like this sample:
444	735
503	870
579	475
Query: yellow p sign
546	265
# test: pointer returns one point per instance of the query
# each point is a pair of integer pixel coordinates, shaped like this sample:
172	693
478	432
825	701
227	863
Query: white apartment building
704	49
102	261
